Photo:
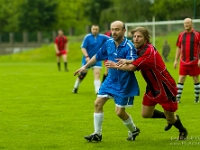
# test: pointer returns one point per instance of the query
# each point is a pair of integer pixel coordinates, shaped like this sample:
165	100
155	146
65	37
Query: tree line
75	15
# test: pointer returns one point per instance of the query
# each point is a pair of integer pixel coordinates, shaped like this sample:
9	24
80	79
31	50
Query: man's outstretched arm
91	62
125	67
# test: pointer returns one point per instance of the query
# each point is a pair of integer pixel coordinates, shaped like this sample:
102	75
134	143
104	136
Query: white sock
77	83
97	84
98	119
129	124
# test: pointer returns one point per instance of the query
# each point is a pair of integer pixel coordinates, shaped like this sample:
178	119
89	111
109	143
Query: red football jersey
154	71
61	41
189	43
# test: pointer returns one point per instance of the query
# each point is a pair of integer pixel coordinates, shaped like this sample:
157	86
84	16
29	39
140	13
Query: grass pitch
39	112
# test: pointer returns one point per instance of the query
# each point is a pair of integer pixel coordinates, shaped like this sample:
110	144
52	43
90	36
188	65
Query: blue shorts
119	101
98	64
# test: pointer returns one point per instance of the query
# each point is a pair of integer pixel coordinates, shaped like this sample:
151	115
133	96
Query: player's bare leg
172	119
180	86
196	88
58	62
175	121
147	111
98	120
128	122
97	81
65	61
79	80
151	112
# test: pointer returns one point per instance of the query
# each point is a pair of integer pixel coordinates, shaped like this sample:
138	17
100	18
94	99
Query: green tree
9	14
70	15
174	10
38	15
93	9
129	11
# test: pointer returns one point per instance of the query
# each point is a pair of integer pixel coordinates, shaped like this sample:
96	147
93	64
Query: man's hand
121	62
79	70
175	64
111	64
57	51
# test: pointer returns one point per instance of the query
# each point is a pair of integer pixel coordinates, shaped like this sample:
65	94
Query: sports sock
97	84
98	119
158	114
129	124
180	90
77	83
65	64
197	90
179	125
58	63
104	77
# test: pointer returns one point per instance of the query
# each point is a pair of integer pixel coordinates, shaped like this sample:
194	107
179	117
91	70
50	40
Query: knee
98	105
118	112
146	115
170	118
182	79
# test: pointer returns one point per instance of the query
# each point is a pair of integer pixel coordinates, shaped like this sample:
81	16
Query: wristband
86	56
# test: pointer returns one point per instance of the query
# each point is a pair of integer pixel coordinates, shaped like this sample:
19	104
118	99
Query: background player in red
161	87
188	50
61	48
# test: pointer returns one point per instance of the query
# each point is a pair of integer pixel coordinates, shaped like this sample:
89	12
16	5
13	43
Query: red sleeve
145	60
178	42
56	40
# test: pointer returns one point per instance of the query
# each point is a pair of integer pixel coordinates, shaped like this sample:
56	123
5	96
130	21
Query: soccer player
61	48
121	85
188	50
161	87
90	45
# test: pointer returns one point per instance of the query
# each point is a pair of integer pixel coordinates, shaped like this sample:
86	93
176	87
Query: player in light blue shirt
120	85
90	45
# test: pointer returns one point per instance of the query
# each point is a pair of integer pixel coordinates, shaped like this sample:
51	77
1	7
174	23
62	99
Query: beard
117	38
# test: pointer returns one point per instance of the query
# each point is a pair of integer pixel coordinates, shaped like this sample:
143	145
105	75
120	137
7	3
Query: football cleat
132	135
183	135
75	90
168	126
94	137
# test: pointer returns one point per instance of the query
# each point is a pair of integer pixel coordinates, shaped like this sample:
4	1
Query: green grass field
39	112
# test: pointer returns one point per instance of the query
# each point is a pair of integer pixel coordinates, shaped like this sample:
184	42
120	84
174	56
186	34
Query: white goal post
154	24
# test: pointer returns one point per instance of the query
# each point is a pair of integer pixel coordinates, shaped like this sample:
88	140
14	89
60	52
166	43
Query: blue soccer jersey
92	44
118	82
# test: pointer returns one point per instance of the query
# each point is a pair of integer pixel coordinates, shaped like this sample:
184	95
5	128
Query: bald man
122	86
188	50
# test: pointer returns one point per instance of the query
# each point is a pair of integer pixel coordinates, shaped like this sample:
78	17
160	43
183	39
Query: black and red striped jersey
154	71
189	43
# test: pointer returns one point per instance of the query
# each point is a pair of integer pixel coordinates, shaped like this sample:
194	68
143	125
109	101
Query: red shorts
191	70
161	99
61	52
